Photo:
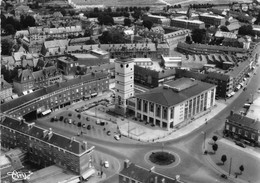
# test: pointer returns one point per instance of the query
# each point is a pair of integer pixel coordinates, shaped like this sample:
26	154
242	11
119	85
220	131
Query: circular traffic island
162	158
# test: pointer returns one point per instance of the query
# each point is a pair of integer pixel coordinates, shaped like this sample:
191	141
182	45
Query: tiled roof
56	43
44	91
219	76
4	85
169	97
244	121
37	132
206	47
144	176
24	75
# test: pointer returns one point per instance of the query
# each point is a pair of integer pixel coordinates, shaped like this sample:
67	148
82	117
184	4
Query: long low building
58	95
174	102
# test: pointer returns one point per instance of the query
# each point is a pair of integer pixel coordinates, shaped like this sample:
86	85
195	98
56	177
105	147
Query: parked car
108	133
117	137
238	143
223	176
106	164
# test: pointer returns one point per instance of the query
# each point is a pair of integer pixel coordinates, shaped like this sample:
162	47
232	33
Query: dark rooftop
175	92
37	132
244	121
38	93
143	175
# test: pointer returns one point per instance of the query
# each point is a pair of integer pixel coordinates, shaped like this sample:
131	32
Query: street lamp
204	141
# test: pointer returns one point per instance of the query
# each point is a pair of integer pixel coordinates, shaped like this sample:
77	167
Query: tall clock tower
124	83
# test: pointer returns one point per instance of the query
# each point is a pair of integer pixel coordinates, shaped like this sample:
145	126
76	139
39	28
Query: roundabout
162	159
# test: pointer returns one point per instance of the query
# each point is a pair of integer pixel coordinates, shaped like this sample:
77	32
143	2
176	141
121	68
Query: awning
7	99
244	79
14	96
88	173
93	94
242	84
25	92
229	95
46	112
232	93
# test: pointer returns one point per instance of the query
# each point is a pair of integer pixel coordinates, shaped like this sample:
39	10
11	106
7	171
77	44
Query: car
238	143
152	125
108	133
89	127
70	121
223	176
117	137
84	126
106	164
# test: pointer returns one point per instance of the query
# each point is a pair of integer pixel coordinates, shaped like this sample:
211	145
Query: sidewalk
240	156
141	132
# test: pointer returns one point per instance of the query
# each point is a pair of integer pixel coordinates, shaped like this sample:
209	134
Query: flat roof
175	92
253	111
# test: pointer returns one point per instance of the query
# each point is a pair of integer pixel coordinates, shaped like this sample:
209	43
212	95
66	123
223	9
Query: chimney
231	113
45	132
50	134
85	145
72	139
155	179
163	180
30	125
127	163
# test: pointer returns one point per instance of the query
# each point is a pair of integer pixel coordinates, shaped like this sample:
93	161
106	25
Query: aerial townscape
130	91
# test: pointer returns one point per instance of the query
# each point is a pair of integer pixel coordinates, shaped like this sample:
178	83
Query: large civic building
174	102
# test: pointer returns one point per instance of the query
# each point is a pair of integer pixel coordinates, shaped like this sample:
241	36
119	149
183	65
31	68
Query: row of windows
239	131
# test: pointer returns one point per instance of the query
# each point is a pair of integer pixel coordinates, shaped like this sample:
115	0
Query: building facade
169	105
187	24
243	128
44	147
136	174
124	83
211	19
6	90
58	95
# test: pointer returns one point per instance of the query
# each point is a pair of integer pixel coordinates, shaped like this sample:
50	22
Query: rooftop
244	121
38	133
175	92
143	175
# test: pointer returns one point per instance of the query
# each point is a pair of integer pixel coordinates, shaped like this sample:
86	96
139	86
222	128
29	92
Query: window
121	65
233	129
152	107
253	136
239	131
246	133
158	110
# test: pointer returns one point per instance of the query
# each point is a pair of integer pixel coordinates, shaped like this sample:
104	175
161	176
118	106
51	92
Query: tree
127	22
148	24
257	19
105	19
198	35
246	30
147	8
7	46
79	124
215	138
63	12
9	29
241	168
223	158
188	39
215	147
224	28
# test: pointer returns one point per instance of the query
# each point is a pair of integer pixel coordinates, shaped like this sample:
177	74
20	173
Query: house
136	174
6	90
241	127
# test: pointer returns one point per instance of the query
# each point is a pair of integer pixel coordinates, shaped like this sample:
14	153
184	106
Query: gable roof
244	121
143	175
37	132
